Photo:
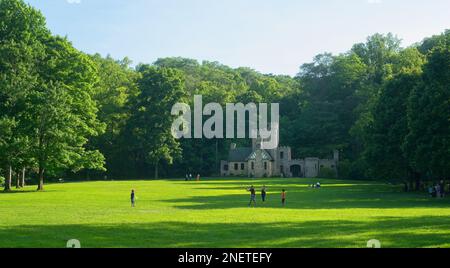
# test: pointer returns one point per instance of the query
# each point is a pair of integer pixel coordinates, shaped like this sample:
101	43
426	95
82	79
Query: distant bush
2	181
327	173
345	169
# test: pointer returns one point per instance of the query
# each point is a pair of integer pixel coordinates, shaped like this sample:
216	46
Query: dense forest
66	114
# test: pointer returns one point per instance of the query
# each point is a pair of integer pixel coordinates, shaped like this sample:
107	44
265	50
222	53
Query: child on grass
133	199
283	197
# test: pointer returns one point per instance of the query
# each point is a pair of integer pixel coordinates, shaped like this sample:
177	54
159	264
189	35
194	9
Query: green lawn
214	213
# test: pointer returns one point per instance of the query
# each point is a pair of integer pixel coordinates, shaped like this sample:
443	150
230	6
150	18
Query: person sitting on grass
264	193
133	199
283	197
252	196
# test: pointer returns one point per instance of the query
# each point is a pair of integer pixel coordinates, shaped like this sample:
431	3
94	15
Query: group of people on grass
252	191
188	177
437	190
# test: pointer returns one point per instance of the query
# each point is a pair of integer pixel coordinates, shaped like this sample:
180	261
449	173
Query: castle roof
265	156
245	154
239	154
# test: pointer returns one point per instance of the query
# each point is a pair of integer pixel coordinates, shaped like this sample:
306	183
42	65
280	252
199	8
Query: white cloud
372	2
74	1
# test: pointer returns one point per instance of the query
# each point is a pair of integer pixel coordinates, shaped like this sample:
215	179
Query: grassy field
214	213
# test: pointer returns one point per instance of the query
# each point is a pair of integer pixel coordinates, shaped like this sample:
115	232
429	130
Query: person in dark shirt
264	193
133	199
252	195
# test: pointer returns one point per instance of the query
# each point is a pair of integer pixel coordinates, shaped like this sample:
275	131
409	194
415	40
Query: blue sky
271	36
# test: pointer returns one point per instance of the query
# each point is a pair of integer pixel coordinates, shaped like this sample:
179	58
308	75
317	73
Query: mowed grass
215	213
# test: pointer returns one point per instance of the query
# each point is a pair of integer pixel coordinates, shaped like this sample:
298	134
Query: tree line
64	113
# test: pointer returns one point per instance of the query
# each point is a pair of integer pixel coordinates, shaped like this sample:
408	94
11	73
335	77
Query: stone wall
235	169
311	167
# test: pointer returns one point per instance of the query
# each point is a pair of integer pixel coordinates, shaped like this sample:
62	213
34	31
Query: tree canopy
66	113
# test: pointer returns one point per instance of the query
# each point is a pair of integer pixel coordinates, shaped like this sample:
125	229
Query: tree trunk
156	170
22	182
18	180
8	180
41	179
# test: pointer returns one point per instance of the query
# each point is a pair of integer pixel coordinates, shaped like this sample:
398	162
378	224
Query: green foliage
327	173
46	91
330	86
386	133
430	43
116	86
149	126
21	30
62	111
428	141
345	169
383	147
336	102
62	115
222	84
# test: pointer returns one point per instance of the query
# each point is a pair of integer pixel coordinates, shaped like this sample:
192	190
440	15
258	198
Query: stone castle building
259	163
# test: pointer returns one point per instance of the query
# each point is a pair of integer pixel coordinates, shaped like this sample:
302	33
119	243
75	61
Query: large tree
428	142
60	114
22	28
149	127
383	148
326	114
115	87
385	135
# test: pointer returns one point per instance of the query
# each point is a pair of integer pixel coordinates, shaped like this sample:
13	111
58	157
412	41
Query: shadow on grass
18	191
392	232
27	191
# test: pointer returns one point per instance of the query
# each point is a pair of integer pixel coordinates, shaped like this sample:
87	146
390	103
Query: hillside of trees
66	114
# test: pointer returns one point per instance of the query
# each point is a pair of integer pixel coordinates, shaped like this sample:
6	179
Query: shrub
2	181
327	173
345	169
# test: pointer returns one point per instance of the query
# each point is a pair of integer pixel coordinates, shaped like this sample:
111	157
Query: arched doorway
296	171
